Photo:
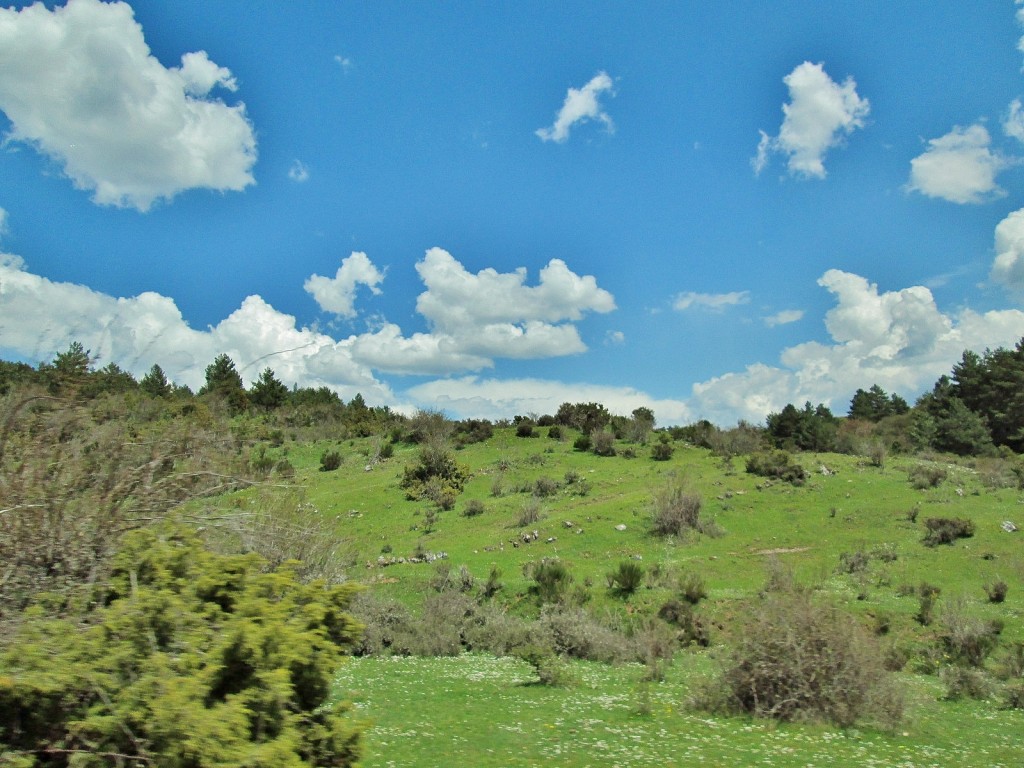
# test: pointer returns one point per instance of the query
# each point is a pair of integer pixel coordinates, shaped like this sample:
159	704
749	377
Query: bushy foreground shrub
802	660
192	659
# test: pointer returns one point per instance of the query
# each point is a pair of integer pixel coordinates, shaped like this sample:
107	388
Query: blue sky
710	209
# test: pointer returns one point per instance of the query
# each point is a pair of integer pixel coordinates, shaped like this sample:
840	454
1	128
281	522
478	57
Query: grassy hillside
846	506
853	532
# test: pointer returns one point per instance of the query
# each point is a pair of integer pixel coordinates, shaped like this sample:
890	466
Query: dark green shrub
776	465
582	443
946	530
473	508
627	578
681	614
525	429
928	594
662	451
555	432
551	580
330	461
997	591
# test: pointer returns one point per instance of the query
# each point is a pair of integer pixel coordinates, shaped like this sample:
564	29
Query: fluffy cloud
39	317
80	85
337	294
958	167
785	317
819	115
716	302
1013	123
474	319
1008	267
470	396
580	105
899	340
298	172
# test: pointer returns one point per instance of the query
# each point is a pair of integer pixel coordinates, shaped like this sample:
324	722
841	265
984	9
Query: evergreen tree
223	381
155	383
268	392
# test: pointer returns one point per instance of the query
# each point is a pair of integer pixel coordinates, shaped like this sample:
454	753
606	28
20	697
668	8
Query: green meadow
852	533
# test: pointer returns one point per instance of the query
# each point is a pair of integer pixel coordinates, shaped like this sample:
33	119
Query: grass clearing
482	711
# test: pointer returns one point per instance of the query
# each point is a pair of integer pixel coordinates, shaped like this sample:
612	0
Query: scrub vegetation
272	576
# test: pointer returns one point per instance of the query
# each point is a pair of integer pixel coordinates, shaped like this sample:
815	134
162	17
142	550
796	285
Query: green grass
480	711
805	528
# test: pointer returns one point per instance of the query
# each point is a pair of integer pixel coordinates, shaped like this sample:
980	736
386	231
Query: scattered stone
570	524
1008	526
620	527
551	539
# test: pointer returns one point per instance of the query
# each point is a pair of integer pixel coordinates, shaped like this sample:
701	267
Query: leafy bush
525	429
801	660
330	461
676	510
190	658
436	475
627	578
681	614
927	594
922	476
602	442
555	432
662	451
692	588
997	591
572	631
473	508
545	486
966	639
551	580
582	443
946	530
529	513
776	465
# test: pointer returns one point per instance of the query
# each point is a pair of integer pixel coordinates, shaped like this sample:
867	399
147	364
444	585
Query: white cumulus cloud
958	167
715	302
1008	267
580	105
80	85
1013	122
785	317
818	117
899	340
337	294
39	317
